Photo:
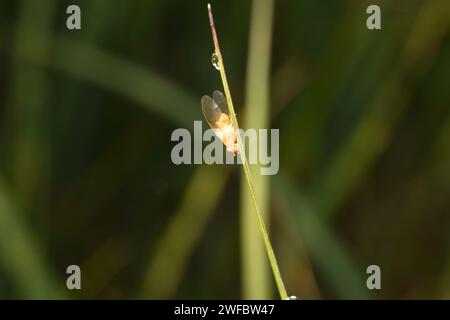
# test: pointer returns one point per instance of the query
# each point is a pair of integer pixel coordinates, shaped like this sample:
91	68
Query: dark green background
85	171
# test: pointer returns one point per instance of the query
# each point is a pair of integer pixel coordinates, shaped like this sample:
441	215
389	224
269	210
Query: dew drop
292	298
215	61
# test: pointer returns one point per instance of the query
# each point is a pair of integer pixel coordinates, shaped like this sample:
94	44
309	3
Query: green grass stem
262	226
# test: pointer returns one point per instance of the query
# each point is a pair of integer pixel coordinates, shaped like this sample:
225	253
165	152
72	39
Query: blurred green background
86	177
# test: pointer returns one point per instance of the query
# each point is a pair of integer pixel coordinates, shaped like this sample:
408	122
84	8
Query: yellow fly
217	114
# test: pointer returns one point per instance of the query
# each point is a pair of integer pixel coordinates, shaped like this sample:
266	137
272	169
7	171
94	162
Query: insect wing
221	101
211	111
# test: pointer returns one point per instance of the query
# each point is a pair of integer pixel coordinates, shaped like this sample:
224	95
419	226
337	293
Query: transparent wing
211	111
221	101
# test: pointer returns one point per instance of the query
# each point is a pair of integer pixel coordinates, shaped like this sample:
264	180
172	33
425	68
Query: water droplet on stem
215	61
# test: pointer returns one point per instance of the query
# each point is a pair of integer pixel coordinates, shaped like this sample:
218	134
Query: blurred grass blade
305	118
22	257
436	170
183	232
333	262
105	70
29	157
373	133
27	111
255	267
131	80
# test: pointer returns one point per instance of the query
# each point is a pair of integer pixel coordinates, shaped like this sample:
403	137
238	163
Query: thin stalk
262	226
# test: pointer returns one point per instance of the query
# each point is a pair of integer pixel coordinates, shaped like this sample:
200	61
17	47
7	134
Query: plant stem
267	243
256	283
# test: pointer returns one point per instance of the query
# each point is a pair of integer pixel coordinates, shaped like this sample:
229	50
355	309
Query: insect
216	112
